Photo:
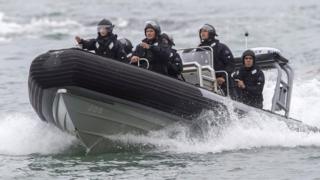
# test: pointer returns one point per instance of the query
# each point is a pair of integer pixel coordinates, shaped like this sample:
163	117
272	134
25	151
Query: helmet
168	38
249	53
210	29
154	25
104	23
126	44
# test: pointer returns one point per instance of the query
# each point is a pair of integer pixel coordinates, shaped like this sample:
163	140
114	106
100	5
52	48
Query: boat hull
96	118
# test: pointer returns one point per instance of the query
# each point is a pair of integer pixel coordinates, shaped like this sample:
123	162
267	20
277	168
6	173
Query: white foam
38	27
2	39
258	130
7	27
306	101
254	131
122	23
22	135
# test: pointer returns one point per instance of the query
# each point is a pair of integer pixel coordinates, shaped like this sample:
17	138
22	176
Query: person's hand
241	84
144	45
220	80
134	59
78	39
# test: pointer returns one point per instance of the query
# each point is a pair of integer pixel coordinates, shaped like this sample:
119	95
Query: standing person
106	44
222	56
154	48
250	81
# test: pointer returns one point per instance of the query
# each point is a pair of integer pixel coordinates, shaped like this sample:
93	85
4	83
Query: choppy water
256	147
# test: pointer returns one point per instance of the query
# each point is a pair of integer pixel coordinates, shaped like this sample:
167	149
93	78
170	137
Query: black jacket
108	47
158	54
253	79
223	58
175	66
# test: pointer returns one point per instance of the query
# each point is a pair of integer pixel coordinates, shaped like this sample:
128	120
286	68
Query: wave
23	135
37	27
253	131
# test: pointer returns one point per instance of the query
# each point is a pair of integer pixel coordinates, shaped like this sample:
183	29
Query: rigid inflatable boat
93	97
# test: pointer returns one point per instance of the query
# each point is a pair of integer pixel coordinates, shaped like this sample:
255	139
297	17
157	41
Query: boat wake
252	131
22	135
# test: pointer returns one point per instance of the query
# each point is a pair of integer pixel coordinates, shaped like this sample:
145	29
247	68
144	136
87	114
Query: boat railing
226	75
194	69
139	64
144	60
211	77
282	94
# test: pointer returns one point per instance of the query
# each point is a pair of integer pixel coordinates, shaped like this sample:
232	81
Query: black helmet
105	23
210	29
126	44
249	53
154	25
168	38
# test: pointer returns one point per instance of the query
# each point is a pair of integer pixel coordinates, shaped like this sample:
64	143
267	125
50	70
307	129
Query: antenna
246	34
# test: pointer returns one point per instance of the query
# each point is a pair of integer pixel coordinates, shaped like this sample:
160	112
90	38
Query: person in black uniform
127	46
154	48
175	66
106	44
250	81
223	58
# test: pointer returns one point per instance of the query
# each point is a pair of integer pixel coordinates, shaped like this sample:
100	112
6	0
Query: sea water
255	147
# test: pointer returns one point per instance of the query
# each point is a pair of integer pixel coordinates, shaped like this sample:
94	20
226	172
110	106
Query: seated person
249	81
175	66
106	44
154	48
127	46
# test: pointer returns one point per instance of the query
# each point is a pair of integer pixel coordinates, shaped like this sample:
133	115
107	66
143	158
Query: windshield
202	55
